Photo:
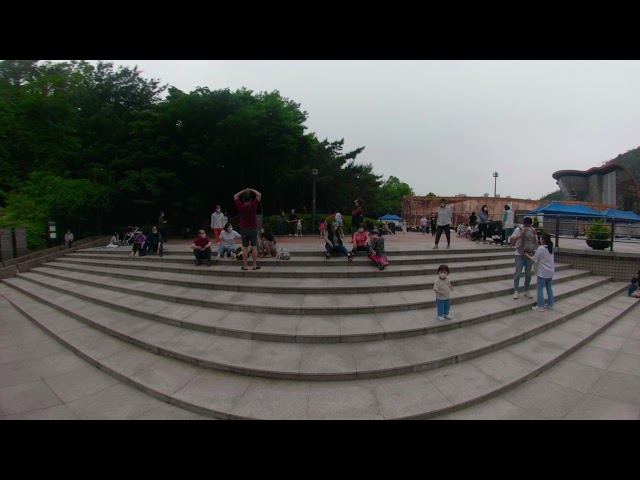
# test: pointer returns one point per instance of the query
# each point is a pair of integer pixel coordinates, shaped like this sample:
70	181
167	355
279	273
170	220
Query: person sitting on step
268	243
202	248
377	253
360	241
633	288
154	242
227	237
138	244
333	242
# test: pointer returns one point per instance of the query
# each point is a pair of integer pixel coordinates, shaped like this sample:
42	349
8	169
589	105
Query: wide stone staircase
310	338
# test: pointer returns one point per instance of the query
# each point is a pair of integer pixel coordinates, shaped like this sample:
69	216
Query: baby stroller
130	236
497	233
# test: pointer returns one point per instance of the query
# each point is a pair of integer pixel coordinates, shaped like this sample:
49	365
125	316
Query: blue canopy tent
621	215
390	218
570	211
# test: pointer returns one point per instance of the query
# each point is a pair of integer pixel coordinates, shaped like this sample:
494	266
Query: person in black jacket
154	242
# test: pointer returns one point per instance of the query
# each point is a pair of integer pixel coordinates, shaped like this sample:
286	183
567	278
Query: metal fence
564	226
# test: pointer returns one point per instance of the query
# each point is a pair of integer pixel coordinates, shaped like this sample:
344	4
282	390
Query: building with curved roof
612	183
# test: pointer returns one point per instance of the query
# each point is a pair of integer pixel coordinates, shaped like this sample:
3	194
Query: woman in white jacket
545	264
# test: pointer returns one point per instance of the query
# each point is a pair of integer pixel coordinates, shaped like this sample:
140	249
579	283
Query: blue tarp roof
555	208
621	215
390	218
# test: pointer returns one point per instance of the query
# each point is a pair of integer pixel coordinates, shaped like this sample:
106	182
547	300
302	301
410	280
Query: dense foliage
94	146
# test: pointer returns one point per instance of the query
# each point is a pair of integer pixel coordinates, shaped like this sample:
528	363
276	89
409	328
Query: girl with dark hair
544	261
484	222
227	237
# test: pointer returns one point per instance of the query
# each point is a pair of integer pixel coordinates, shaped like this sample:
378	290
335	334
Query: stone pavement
234	344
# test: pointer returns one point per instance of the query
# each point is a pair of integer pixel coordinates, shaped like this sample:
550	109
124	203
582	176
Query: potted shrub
598	235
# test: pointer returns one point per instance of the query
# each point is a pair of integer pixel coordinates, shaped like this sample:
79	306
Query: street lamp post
314	175
495	183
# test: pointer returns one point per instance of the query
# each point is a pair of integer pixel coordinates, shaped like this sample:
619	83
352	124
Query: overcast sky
446	126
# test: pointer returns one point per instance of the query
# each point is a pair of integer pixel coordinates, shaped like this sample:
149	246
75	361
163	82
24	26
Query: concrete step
266	285
188	258
345	361
309	250
95	288
415	395
308	329
231	268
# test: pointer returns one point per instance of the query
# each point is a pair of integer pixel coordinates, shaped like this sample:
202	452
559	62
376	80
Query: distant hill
630	160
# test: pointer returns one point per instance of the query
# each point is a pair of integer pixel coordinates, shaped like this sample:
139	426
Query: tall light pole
495	183
314	175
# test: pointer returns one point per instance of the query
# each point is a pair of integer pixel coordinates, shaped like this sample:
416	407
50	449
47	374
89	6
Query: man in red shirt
248	224
202	248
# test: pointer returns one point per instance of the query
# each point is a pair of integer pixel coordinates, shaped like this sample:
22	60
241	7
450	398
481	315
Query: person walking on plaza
545	264
507	224
280	223
248	224
525	238
444	223
217	223
404	227
201	247
442	287
423	224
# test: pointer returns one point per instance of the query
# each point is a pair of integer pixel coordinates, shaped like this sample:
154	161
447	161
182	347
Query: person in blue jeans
525	239
442	287
333	242
545	268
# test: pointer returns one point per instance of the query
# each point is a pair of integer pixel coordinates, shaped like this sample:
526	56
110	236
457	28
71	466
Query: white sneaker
441	319
448	317
516	294
132	254
434	247
536	308
527	294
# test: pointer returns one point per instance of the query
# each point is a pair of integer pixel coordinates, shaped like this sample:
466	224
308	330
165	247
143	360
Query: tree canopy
95	146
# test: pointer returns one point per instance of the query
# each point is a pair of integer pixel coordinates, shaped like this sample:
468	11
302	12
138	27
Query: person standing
434	224
484	222
280	223
525	238
248	224
201	247
507	224
423	224
357	216
293	222
217	223
161	223
404	227
444	223
442	287
68	238
545	269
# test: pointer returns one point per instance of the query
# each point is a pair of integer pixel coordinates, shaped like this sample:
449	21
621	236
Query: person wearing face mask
442	287
507	223
484	222
360	241
202	248
444	223
227	236
434	224
357	216
217	223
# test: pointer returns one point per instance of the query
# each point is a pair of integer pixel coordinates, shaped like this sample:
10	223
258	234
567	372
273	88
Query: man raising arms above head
248	224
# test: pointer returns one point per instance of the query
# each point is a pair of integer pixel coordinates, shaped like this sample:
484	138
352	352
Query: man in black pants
202	248
293	221
154	241
444	223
